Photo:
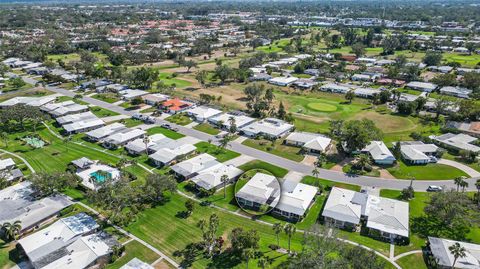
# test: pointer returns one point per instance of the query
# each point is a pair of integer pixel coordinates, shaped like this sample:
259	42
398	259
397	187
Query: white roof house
31	101
139	146
366	92
439	249
83	125
456	91
314	143
260	189
337	88
92	179
40	246
83	253
165	154
295	200
224	120
130	94
202	113
422	86
52	106
344	205
6	164
123	137
17	203
76	117
100	133
191	167
388	216
417	152
135	263
63	108
210	177
270	127
282	81
379	152
457	141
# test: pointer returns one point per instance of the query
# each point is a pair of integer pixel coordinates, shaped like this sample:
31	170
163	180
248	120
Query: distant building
470	128
457	142
202	113
422	86
270	128
379	153
309	142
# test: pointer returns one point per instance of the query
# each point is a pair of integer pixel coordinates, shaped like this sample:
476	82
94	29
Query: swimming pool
100	176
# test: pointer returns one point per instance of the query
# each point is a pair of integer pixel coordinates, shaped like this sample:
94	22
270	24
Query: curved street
377	182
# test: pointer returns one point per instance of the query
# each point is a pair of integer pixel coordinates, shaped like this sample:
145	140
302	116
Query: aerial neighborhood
231	134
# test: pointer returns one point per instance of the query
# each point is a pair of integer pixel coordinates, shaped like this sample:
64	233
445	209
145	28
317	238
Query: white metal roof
439	248
195	164
296	197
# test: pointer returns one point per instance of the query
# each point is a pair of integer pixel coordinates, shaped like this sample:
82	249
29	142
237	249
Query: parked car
138	116
150	120
166	126
433	188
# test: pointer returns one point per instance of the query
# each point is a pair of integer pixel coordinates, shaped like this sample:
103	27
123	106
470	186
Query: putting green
322	107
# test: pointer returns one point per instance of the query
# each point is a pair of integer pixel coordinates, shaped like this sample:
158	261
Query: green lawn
275	147
106	97
412	261
257	164
171	80
327	184
180	119
432	171
464	60
8	255
207	128
102	112
131	122
134	250
222	155
166	132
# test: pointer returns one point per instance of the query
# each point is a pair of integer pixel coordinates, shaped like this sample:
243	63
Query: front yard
276	147
222	155
431	171
180	119
207	128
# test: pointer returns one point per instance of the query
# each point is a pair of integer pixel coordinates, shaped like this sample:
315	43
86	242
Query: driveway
467	169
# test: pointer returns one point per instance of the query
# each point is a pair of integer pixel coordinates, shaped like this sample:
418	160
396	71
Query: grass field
102	112
106	97
207	128
276	147
131	122
222	155
465	60
257	164
180	119
170	80
431	171
166	132
134	250
413	261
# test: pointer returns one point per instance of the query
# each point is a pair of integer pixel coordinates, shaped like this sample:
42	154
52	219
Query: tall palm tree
277	228
262	263
457	251
315	172
458	182
12	229
464	185
224	180
477	185
146	141
289	230
248	254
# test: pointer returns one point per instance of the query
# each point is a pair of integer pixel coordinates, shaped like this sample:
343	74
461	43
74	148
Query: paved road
418	185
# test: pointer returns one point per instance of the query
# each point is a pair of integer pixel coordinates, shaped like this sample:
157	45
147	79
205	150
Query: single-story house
269	127
442	69
83	163
456	142
336	88
122	138
191	167
295	200
223	120
175	105
379	152
387	218
456	91
154	98
470	128
103	132
18	202
95	83
422	86
131	94
304	83
361	77
282	81
366	92
439	249
309	142
211	177
312	72
64	108
260	190
41	246
202	113
165	155
140	145
260	77
94	174
76	117
30	101
7	164
83	125
416	152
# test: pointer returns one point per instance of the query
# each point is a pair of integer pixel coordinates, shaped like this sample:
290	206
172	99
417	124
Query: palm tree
224	180
363	161
457	251
458	182
289	230
146	141
262	263
321	159
315	172
277	228
477	184
464	185
12	229
248	254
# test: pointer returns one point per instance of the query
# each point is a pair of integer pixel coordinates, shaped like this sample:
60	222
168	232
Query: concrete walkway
242	159
294	176
19	157
191	124
467	169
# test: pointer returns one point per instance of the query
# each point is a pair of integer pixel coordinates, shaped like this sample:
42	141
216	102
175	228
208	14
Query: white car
433	188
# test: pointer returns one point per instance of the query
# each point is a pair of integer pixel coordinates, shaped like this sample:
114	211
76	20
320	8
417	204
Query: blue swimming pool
101	176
